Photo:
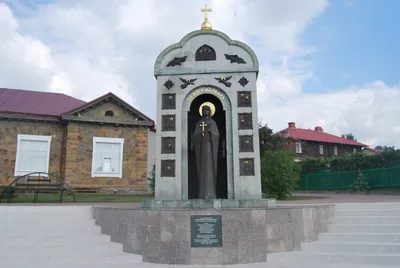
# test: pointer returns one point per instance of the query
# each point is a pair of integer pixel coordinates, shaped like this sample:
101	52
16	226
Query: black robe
206	150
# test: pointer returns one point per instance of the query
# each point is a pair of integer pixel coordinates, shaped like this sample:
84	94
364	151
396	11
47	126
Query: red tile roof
373	150
36	102
316	135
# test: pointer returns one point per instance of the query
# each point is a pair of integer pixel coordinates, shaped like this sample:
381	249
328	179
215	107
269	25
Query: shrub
9	193
279	173
352	162
152	180
360	184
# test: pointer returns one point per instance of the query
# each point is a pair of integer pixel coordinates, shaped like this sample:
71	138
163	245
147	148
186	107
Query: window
321	149
109	113
354	150
298	147
107	157
335	150
33	154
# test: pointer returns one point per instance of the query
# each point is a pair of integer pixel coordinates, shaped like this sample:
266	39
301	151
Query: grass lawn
80	198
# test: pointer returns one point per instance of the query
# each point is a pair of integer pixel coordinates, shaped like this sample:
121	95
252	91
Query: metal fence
377	178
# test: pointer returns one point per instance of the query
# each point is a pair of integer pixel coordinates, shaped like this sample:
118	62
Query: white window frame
107	174
321	149
21	137
354	150
335	150
298	147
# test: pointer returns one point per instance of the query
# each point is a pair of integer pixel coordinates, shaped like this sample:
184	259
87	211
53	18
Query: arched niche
191	97
205	53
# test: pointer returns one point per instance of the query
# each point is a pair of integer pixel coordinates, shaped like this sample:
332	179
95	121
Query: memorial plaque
206	231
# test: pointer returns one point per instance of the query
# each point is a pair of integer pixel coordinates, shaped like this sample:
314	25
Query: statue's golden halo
209	104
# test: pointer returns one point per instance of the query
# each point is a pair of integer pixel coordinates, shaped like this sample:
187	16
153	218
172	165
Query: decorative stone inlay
167	168
168	101
168	122
244	99
245	121
187	82
169	84
235	59
243	81
177	61
246	166
224	80
246	143
168	145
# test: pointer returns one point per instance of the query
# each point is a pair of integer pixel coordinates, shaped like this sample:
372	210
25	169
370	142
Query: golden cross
206	9
203	125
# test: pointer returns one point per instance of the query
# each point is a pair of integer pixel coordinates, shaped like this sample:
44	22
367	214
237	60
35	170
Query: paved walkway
341	198
331	198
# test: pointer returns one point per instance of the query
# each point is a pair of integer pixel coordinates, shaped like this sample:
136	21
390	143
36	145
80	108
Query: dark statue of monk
205	144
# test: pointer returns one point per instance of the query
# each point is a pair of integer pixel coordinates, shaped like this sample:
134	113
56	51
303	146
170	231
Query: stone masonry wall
79	157
9	131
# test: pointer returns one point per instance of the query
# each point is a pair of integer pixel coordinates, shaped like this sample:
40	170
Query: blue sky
359	42
332	63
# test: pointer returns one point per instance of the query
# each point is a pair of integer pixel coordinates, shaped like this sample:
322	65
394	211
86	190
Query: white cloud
88	48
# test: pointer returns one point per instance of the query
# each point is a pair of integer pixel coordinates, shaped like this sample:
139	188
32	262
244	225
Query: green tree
269	141
349	136
279	173
385	148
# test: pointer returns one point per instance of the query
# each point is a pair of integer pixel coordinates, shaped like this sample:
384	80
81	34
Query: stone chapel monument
207	137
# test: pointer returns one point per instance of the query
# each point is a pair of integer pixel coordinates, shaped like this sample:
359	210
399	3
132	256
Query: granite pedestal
202	232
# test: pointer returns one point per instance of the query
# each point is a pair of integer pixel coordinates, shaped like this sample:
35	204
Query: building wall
79	150
311	149
9	131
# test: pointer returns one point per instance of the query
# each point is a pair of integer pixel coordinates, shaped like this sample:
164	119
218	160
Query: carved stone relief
168	101
246	166
167	168
168	122
168	145
245	121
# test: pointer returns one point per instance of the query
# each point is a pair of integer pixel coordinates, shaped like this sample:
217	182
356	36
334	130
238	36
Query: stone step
364	228
327	265
44	209
361	237
54	240
37	217
355	247
59	223
304	258
376	205
112	259
367	212
60	249
369	220
50	230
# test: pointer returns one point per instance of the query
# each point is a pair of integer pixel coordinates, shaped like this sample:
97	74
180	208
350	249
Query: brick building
317	143
100	144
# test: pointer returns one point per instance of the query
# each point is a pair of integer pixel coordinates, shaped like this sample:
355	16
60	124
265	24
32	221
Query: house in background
102	144
317	143
371	151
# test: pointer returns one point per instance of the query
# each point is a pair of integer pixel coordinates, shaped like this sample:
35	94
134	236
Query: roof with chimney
36	102
317	135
